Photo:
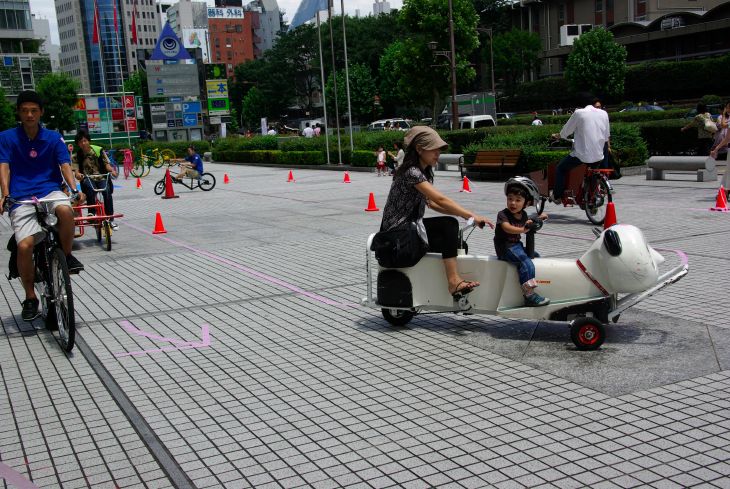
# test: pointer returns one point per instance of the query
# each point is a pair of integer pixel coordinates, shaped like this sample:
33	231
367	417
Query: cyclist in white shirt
590	129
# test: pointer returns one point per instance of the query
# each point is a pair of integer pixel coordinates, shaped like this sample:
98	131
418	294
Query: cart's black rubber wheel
107	234
397	317
587	333
207	182
160	187
63	300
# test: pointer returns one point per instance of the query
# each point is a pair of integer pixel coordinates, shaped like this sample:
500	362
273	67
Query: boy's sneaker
552	198
30	309
536	300
114	225
74	266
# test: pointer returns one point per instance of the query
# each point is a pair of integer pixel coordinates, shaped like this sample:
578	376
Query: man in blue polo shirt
35	162
194	169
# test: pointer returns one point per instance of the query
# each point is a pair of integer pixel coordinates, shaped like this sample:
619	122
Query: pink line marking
178	344
248	271
14	478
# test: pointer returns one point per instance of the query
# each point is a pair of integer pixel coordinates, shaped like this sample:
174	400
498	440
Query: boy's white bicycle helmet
526	185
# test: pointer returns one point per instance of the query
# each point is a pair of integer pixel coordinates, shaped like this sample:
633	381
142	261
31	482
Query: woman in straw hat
412	190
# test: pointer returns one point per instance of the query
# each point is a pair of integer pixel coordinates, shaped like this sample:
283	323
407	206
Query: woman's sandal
459	292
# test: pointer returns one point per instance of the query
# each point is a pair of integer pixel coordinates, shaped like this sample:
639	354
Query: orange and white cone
159	227
720	201
225	178
291	177
610	218
139	183
465	187
371	204
347	178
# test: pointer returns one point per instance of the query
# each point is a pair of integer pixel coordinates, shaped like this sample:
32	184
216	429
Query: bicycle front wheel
597	196
63	301
107	234
137	170
167	156
160	187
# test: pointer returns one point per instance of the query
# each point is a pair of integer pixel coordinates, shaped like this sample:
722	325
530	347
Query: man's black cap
29	96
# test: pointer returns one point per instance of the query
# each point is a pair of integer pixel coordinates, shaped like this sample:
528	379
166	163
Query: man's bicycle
586	186
205	182
52	279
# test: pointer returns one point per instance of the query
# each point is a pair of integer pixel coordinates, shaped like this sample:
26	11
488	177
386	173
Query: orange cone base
159	227
610	218
465	187
720	201
371	204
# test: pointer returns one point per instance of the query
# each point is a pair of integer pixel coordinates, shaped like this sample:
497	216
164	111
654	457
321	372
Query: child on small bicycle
92	160
193	168
513	222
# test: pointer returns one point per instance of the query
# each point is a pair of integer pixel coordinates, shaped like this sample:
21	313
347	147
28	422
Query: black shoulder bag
399	247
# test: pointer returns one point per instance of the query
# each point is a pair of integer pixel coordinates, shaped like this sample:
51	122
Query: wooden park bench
492	162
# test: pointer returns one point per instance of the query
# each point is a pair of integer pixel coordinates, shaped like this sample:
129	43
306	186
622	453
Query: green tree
254	108
137	83
60	93
515	54
597	64
362	93
420	82
7	112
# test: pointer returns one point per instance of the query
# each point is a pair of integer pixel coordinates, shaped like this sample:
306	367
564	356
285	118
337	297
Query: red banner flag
116	24
134	24
95	35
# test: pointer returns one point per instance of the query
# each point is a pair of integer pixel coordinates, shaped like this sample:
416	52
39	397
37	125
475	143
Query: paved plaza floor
232	352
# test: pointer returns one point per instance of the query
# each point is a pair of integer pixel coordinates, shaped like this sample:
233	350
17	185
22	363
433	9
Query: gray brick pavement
307	390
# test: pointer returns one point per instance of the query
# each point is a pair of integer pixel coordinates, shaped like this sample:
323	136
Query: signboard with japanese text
172	80
225	13
217	88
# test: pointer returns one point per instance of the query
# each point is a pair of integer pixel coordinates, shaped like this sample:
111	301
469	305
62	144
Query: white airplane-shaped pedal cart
618	270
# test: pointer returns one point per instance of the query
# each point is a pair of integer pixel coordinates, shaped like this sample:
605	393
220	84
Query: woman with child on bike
412	190
92	160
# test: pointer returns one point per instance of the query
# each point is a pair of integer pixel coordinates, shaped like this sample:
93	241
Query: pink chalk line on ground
178	344
14	478
248	271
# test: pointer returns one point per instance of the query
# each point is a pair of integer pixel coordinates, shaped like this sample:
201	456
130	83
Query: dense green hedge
525	120
271	156
363	158
665	137
628	146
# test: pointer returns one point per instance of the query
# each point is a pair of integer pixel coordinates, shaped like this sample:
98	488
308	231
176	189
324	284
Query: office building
42	31
649	29
22	64
103	60
381	7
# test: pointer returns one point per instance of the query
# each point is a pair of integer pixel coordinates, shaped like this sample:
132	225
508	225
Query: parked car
714	109
505	115
476	121
641	108
400	124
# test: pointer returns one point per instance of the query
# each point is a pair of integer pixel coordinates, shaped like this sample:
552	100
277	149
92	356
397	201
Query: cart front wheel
397	317
107	235
587	333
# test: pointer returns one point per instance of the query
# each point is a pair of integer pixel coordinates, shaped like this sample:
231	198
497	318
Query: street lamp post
451	56
489	32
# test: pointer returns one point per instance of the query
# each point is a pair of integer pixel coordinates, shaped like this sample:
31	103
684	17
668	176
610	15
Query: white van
476	121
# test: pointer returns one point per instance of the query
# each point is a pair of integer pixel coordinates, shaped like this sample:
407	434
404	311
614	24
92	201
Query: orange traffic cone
139	183
159	227
169	192
347	178
720	201
610	219
225	178
465	187
371	204
291	177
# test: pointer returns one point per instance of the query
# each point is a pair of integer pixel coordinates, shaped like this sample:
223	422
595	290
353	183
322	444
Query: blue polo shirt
34	164
197	161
